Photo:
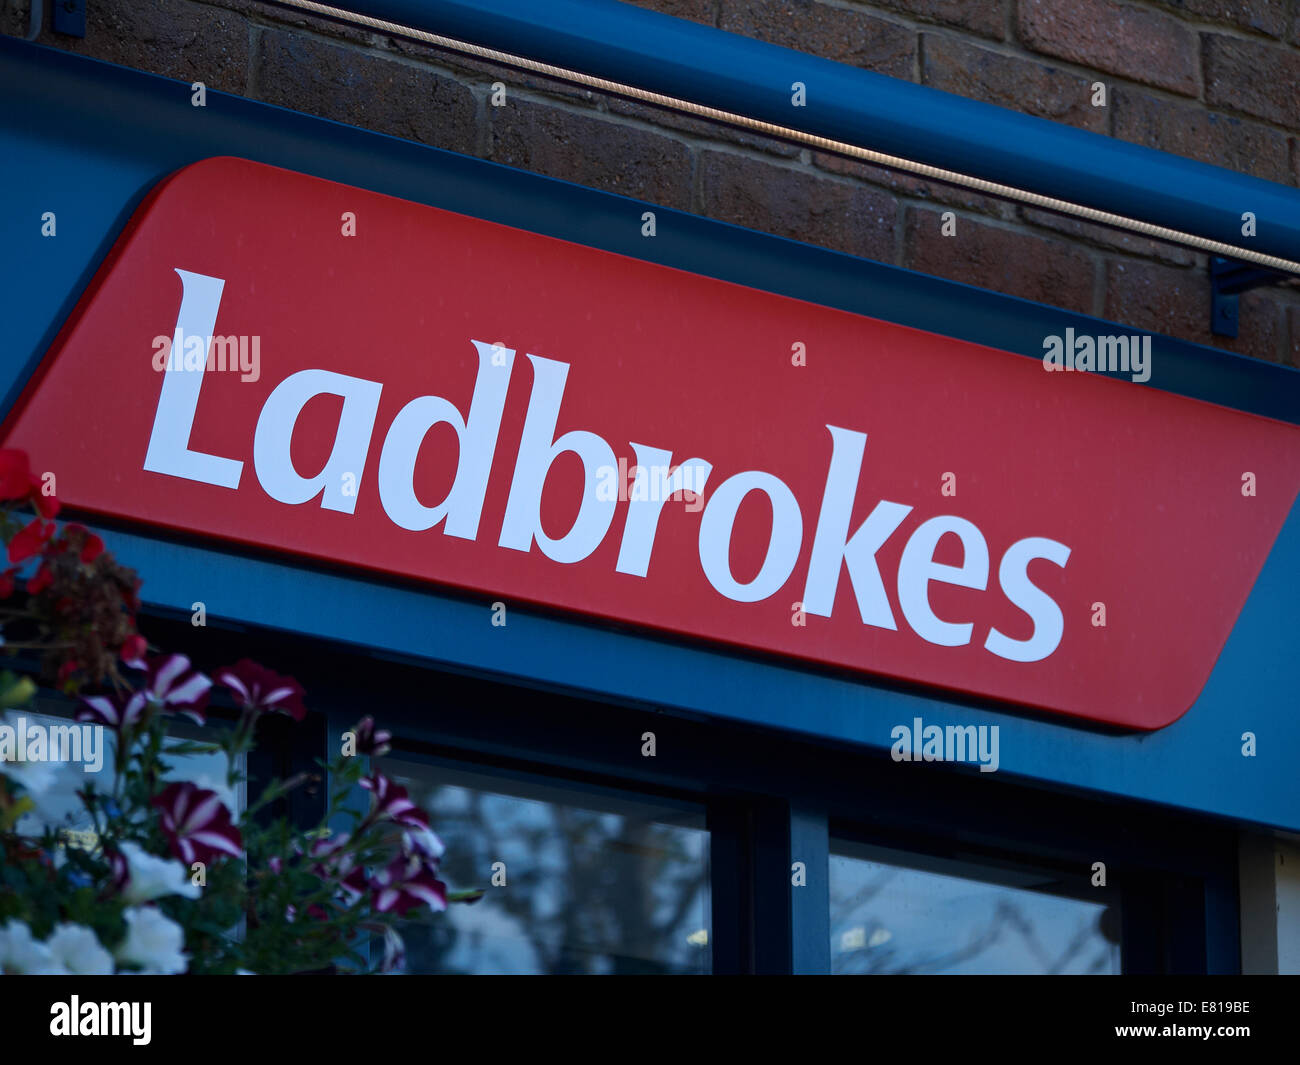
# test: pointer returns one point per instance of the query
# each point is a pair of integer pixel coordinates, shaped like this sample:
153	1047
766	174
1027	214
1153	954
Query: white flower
20	953
150	877
153	941
76	949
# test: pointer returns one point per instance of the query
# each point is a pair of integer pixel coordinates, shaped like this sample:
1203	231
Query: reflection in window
595	882
58	806
950	917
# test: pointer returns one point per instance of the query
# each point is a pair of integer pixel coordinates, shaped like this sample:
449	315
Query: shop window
576	881
58	806
901	913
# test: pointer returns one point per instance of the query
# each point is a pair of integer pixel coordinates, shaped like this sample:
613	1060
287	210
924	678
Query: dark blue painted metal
1228	279
87	141
69	17
733	73
810	932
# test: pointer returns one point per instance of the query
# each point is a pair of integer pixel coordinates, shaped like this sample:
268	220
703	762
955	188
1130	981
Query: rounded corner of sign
200	167
1172	715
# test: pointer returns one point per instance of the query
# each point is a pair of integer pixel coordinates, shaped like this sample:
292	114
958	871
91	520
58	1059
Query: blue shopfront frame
89	140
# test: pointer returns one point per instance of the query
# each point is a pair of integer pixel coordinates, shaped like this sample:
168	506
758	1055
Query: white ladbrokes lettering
834	547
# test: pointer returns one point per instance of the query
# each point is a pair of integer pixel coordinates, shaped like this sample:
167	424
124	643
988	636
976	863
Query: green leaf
15	690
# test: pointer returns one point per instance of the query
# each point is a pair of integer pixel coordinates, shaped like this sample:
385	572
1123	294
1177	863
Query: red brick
363	89
1109	237
589	150
14	17
1261	16
258	11
1254	77
1176	302
1003	259
175	38
705	11
985	17
1026	85
904	183
484	75
699	128
798	204
852	37
1138	43
1190	130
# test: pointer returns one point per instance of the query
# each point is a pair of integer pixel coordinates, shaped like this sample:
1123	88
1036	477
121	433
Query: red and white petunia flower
335	863
172	684
423	842
370	740
196	823
394	952
258	688
405	883
118	712
393	804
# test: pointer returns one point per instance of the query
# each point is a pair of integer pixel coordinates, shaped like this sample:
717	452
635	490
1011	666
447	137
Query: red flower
7	583
257	688
18	482
133	651
91	545
15	474
30	540
92	548
197	823
43	579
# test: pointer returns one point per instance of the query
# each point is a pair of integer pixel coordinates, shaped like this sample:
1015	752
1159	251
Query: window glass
577	881
896	913
57	806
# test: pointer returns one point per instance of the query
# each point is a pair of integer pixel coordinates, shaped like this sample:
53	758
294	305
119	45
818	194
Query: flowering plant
170	876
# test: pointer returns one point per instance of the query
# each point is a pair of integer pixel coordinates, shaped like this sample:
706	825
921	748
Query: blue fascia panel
88	140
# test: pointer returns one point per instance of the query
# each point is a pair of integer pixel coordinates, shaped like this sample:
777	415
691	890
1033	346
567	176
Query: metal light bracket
1228	279
69	17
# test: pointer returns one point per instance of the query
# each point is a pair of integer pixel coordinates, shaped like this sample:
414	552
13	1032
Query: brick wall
1215	80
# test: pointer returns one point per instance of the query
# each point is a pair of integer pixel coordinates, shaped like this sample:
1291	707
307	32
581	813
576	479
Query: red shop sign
428	395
